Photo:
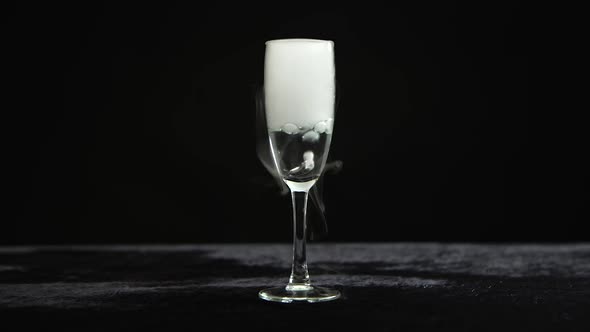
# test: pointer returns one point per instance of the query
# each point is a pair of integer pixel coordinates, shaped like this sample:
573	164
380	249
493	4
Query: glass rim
298	40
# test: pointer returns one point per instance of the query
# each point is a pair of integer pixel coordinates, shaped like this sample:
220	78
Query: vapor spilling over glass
299	100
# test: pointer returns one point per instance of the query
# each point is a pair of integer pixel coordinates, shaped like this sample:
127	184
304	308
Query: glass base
310	294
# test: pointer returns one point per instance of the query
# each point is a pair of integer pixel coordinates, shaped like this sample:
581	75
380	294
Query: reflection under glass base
302	294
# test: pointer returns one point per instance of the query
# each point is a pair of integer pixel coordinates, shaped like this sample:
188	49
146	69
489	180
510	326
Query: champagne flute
299	101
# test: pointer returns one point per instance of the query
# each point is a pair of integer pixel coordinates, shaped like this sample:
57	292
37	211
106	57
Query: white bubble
308	161
311	137
290	128
320	127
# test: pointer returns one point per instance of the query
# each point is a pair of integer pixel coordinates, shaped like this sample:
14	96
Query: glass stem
299	280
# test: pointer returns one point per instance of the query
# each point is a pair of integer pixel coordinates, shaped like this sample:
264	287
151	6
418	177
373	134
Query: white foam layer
299	82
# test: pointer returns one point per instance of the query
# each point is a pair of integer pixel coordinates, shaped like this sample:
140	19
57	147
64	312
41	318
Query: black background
135	123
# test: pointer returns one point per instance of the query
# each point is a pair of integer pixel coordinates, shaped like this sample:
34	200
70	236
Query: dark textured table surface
386	287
